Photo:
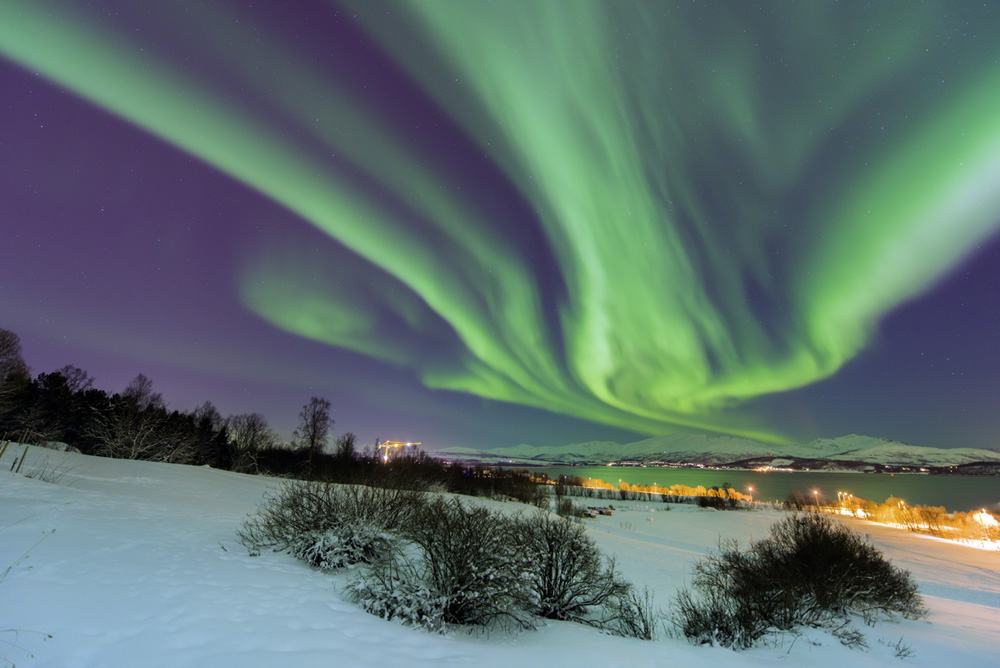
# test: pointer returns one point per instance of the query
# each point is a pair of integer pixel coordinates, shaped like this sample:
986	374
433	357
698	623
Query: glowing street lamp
750	489
816	497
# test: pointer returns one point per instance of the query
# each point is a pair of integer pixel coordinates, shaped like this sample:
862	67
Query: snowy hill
682	447
573	452
725	450
703	449
123	563
893	453
898	454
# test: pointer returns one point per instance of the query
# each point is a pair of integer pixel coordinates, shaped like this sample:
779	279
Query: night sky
483	224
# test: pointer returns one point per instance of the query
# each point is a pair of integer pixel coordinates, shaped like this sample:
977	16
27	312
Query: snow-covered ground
129	563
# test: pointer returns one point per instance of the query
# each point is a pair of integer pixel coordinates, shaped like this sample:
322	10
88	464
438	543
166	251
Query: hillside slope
852	450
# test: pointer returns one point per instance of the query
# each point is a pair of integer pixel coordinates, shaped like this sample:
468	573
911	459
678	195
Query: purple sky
124	253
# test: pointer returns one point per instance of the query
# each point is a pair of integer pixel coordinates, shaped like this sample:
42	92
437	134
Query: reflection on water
953	492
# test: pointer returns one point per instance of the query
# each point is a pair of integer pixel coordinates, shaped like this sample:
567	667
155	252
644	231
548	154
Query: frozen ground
129	563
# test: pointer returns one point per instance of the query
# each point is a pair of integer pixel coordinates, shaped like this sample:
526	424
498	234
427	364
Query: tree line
64	407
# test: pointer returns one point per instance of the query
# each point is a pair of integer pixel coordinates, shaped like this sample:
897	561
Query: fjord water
954	492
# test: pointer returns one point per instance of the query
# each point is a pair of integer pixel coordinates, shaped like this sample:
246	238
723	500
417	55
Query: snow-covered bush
395	589
329	526
344	545
570	578
459	565
464	566
572	581
810	571
440	563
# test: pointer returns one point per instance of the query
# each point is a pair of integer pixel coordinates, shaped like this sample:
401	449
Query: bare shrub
932	518
568	509
833	570
850	636
796	500
900	649
714	617
809	571
439	564
396	589
634	615
571	579
329	526
47	472
718	502
464	568
470	558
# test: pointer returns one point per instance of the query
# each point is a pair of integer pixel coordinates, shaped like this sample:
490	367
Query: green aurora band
733	196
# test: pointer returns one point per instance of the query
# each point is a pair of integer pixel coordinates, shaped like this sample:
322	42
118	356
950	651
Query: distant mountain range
861	453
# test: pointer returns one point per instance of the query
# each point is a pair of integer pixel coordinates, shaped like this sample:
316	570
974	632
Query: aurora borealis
453	216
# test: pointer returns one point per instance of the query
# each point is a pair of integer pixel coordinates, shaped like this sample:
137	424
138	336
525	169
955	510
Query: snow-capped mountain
850	451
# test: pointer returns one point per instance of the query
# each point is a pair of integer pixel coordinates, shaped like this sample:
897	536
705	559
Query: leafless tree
77	380
14	373
248	435
125	433
140	392
209	415
314	427
345	446
11	360
135	426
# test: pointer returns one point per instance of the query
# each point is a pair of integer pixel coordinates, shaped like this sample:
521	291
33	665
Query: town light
392	446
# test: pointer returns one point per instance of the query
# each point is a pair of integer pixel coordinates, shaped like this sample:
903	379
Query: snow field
129	563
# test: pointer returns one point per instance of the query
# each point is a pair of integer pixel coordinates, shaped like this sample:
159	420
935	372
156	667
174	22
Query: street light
750	489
